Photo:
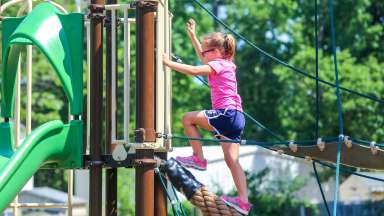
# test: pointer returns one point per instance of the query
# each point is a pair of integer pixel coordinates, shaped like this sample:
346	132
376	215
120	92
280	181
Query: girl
226	119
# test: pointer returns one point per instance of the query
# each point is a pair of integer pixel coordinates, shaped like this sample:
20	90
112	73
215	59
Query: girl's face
210	53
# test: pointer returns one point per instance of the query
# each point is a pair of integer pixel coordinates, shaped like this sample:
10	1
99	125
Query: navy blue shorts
228	123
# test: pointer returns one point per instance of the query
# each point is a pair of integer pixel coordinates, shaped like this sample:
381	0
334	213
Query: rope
318	106
320	187
300	71
211	205
350	172
317	73
178	201
157	171
340	119
251	142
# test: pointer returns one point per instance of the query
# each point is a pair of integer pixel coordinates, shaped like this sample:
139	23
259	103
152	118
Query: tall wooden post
145	109
95	186
111	174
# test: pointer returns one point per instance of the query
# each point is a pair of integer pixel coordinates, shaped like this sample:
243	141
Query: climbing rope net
340	143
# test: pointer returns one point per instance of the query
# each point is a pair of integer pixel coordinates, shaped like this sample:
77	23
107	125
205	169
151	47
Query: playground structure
58	145
63	146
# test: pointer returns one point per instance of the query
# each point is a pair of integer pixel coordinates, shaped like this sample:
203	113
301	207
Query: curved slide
52	143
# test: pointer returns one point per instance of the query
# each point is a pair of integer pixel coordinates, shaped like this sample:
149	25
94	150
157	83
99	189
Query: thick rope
196	193
211	205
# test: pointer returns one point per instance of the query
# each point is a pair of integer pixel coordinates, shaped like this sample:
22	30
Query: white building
360	189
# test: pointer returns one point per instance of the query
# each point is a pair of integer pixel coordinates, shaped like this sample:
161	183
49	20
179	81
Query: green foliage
296	103
126	192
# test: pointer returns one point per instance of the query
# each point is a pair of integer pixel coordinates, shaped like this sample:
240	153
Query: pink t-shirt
224	85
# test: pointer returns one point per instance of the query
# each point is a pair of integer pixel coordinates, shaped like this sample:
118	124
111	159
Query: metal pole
127	64
95	186
161	78
160	194
145	108
111	110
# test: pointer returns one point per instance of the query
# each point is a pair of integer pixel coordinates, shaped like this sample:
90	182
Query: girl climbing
225	119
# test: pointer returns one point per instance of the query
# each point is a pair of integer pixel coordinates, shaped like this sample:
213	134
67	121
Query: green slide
50	144
54	144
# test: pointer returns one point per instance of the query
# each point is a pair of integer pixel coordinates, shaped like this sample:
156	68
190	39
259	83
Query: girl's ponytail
229	46
225	42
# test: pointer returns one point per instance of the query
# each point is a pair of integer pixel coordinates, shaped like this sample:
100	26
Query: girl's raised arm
191	29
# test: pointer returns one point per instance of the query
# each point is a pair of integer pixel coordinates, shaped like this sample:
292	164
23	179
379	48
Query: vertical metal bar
111	108
96	108
17	124
160	73
29	90
145	109
69	179
29	80
113	73
88	27
161	35
168	80
127	87
70	192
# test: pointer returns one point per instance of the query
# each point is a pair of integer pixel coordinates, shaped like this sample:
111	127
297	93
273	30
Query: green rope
178	201
157	171
300	143
339	108
318	107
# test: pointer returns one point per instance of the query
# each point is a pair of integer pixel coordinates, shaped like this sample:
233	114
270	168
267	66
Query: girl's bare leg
231	157
190	121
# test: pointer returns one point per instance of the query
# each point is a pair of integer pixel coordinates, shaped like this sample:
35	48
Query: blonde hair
224	42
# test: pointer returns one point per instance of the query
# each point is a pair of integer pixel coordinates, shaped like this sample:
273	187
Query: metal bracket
146	162
145	135
96	12
151	5
129	161
140	135
88	163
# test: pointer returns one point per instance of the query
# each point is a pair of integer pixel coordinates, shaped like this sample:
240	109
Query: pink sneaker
193	162
237	204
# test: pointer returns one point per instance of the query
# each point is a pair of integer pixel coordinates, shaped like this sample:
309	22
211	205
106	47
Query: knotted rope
196	193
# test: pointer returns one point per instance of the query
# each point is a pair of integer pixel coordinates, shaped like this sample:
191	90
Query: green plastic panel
59	37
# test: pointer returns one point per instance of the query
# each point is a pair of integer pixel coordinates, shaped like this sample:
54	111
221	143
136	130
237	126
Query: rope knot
374	148
320	144
347	141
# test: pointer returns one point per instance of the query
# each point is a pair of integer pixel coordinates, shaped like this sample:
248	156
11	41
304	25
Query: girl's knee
231	161
186	119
